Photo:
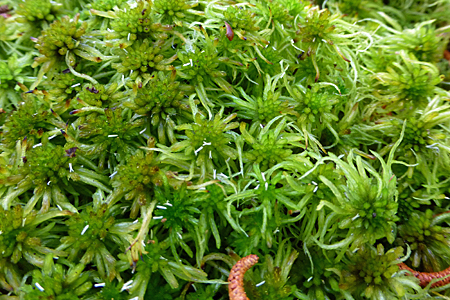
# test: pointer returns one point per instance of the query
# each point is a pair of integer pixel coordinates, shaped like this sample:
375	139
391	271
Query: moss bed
146	146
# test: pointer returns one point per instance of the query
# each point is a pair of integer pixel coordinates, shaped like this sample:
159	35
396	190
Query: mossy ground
146	146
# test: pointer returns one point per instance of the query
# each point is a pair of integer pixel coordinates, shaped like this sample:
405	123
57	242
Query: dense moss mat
146	146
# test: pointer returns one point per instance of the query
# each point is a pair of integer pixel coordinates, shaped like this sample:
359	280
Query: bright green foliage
240	18
20	237
264	106
408	82
62	86
136	178
144	58
29	121
307	67
156	260
379	271
282	12
319	280
271	146
101	95
61	37
419	11
153	259
89	231
111	131
159	98
422	130
314	106
214	199
427	240
172	9
36	10
47	165
8	31
199	66
415	134
274	57
246	242
408	201
279	12
12	232
175	211
295	7
274	273
212	203
357	8
369	206
316	28
112	290
314	109
210	135
379	60
6	75
105	5
12	71
99	224
207	141
136	23
423	41
203	67
422	136
10	283
55	281
151	140
180	216
269	209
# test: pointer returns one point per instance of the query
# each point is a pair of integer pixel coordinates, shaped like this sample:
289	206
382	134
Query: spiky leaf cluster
57	281
427	240
36	10
379	271
173	9
63	86
410	82
135	180
159	98
61	37
136	22
28	122
48	165
240	18
99	95
143	58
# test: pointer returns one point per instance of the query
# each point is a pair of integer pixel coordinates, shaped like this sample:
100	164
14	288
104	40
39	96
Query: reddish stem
425	277
447	55
445	212
236	279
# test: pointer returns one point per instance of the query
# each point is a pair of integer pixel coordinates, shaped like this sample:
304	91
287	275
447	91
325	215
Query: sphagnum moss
152	144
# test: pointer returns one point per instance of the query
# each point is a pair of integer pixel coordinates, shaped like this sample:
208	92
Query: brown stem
236	279
425	277
230	32
4	9
445	212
